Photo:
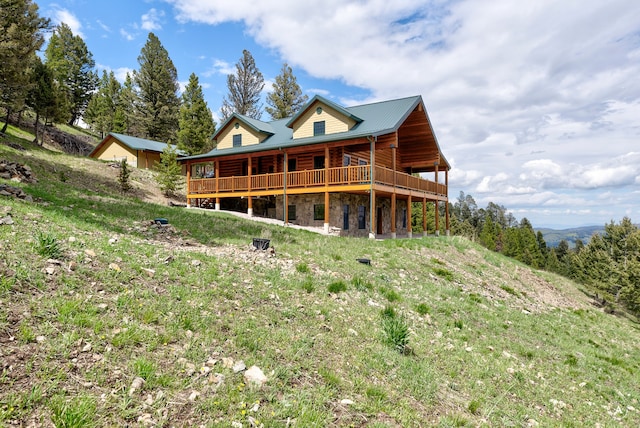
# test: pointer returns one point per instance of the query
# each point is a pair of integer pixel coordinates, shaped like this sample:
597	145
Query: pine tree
169	171
245	88
102	108
123	177
127	117
196	122
286	99
43	96
72	64
21	36
157	82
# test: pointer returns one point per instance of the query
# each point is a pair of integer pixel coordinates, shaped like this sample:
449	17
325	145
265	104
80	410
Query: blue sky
535	104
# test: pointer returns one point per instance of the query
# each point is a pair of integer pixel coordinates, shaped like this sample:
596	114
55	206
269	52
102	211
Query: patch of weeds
422	308
443	273
330	377
303	268
510	290
389	294
48	246
307	285
437	261
388	312
475	297
454	421
459	324
375	393
474	407
395	332
336	257
75	413
337	287
26	333
144	368
361	284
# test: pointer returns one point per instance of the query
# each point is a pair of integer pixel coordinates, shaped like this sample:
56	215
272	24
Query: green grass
487	347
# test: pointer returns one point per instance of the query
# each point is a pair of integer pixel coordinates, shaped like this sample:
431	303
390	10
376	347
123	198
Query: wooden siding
114	150
249	136
334	121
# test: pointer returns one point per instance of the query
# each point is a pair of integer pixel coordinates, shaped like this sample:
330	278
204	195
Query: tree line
609	264
63	86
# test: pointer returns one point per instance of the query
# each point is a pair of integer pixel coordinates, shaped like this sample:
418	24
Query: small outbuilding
138	152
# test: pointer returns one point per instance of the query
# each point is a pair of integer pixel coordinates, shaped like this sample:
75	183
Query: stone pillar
393	214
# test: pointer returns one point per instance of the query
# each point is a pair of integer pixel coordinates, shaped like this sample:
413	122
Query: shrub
123	176
360	284
444	273
48	246
396	333
76	413
422	309
307	285
337	287
303	268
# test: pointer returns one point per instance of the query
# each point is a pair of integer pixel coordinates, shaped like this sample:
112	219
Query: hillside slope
109	320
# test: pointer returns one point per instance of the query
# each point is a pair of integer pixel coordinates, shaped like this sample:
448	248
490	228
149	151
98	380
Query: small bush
474	407
48	246
360	284
388	312
144	368
422	309
458	324
510	290
307	285
389	294
337	287
396	333
123	177
303	268
443	273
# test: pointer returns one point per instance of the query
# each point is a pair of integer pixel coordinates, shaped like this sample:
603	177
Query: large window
318	128
291	165
361	217
237	140
404	218
318	162
318	212
291	210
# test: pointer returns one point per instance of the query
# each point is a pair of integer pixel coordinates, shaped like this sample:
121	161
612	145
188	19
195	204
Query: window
237	140
291	165
404	218
361	217
318	128
291	209
318	162
345	217
346	160
318	212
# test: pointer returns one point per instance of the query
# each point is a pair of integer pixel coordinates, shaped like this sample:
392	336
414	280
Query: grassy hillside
109	320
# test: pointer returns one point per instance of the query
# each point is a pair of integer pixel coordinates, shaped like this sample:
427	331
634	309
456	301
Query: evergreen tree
286	99
43	96
21	36
196	122
157	82
169	171
244	89
101	111
489	233
123	177
127	117
72	65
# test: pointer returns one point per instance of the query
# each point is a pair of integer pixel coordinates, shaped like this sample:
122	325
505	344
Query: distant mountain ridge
553	236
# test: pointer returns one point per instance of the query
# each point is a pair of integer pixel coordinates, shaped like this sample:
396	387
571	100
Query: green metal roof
327	102
372	120
135	143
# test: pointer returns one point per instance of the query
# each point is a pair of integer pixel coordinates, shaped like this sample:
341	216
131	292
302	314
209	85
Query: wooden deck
341	179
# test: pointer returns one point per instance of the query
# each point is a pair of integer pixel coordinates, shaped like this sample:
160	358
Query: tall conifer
196	121
245	88
157	82
286	98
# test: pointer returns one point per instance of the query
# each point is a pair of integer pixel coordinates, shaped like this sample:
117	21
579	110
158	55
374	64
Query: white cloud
127	35
220	67
151	21
67	17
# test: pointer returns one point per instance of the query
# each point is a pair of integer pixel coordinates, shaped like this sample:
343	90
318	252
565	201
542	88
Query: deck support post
409	228
217	207
446	208
249	200
188	184
326	213
437	216
285	198
372	194
424	216
393	215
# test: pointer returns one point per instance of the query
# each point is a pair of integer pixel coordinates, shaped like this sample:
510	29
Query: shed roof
134	143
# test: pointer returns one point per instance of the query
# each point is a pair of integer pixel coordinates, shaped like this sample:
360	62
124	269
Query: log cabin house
355	171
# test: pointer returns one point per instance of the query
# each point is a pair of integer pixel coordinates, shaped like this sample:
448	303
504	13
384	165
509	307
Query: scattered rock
347	402
239	367
255	376
90	253
135	385
150	272
114	266
6	220
352	332
40	339
227	362
16	172
193	396
86	348
196	263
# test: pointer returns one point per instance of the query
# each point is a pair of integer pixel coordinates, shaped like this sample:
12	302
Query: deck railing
347	175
